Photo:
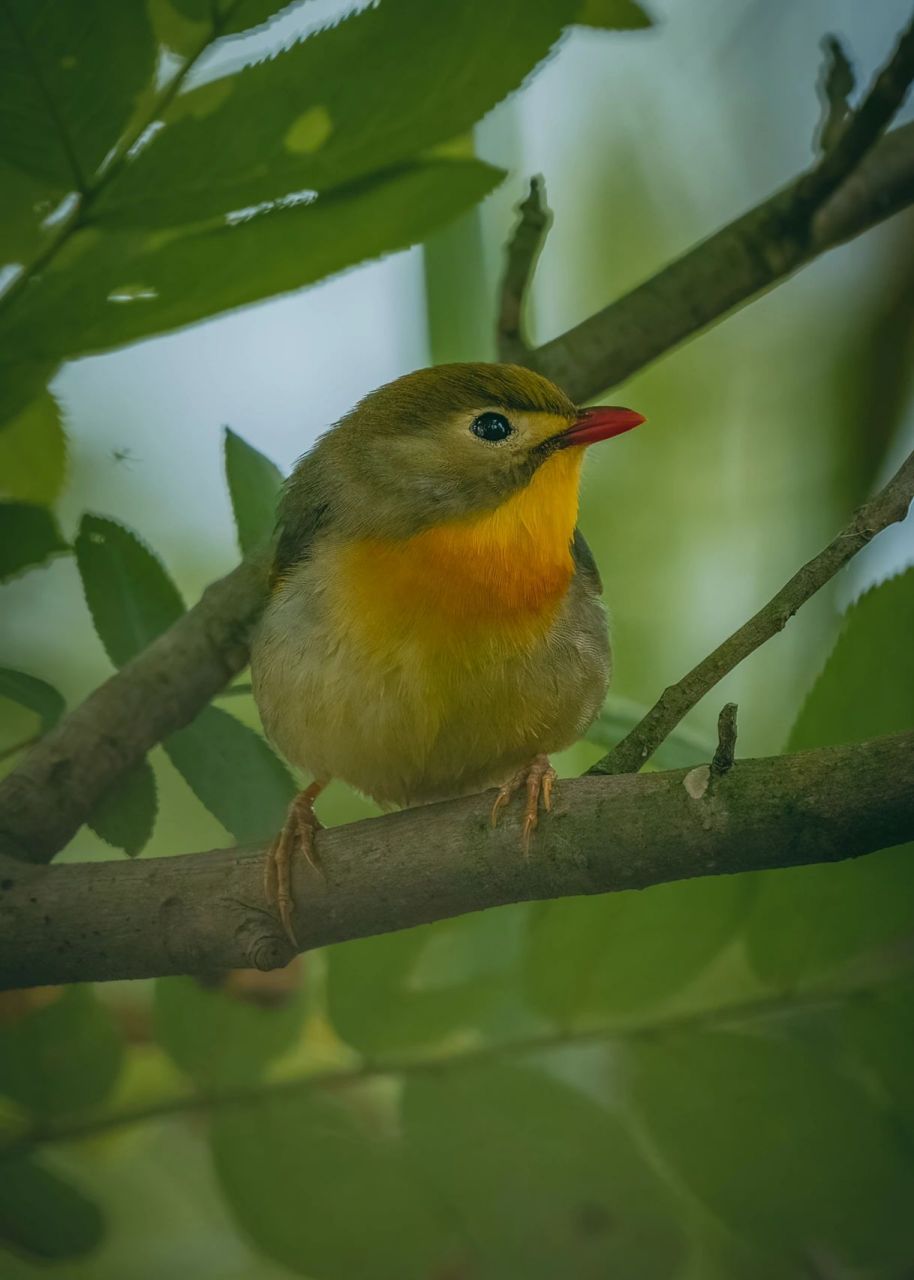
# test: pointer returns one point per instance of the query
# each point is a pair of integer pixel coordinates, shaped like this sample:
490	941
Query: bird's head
455	441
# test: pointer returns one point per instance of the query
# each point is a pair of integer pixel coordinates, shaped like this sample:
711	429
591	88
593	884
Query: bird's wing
303	511
584	564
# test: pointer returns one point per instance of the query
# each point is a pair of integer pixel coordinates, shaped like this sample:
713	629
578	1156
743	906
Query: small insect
124	456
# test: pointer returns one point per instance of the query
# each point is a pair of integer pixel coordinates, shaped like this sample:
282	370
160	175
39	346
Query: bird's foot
538	778
297	836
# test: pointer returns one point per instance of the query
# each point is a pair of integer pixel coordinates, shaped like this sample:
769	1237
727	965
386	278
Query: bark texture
202	912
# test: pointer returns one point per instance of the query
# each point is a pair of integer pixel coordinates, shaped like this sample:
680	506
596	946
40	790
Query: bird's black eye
493	427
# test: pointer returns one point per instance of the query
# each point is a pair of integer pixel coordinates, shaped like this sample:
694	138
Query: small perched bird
434	625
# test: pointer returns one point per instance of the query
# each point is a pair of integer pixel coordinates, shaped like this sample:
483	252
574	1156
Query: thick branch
45	801
889	506
207	911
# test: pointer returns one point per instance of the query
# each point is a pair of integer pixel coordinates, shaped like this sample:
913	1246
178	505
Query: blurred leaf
867	685
116	288
619	953
316	1187
43	1216
234	773
130	596
126	814
613	15
301	121
683	747
21	380
810	920
70	77
417	986
62	1056
254	483
878	1032
781	1148
37	695
219	1039
33	453
544	1181
28	536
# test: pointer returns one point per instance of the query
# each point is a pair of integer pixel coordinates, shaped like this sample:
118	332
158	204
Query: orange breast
506	570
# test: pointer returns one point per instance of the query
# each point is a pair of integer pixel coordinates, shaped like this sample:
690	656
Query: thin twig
69	1128
888	507
836	86
726	741
521	254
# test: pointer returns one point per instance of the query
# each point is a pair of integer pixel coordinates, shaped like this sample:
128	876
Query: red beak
599	423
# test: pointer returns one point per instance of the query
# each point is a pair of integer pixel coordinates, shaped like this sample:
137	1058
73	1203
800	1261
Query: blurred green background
706	1081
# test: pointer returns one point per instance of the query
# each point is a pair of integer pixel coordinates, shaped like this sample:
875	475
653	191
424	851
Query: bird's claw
539	777
297	835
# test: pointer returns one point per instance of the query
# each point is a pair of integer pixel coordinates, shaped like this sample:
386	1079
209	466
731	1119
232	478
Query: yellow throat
506	570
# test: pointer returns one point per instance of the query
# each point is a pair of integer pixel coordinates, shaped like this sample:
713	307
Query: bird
434	626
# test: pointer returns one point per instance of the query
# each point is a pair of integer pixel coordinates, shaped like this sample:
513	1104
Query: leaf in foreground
318	1188
786	1151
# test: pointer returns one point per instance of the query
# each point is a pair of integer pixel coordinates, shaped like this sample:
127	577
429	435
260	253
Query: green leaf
302	121
787	1152
160	283
543	1180
70	77
813	920
242	15
234	773
613	15
254	483
220	1039
622	952
683	747
247	14
227	765
60	1057
33	453
21	379
28	536
126	814
37	695
867	685
130	596
318	1188
25	205
42	1216
876	1033
417	986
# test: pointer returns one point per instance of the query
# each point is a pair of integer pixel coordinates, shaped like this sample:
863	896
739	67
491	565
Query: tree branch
888	507
887	92
45	801
734	265
207	911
